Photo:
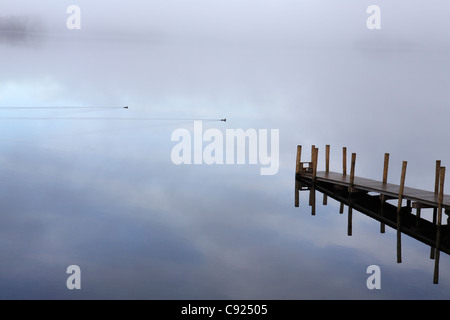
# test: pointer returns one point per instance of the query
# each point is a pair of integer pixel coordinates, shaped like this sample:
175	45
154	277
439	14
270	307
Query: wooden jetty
370	196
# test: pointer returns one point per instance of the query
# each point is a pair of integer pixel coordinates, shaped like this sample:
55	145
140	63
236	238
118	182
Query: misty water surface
104	194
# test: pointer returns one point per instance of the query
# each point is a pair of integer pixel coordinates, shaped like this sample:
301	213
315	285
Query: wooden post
399	207
385	175
436	176
418	212
312	196
436	191
314	161
344	161
297	172
349	225
311	193
298	160
439	221
385	167
352	173
344	172
382	225
327	169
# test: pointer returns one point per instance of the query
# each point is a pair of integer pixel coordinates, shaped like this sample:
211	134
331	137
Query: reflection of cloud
383	44
17	30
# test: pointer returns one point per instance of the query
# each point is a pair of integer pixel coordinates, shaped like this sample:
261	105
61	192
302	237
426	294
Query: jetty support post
399	208
315	152
312	199
352	173
382	198
312	192
297	172
327	169
344	161
436	192
349	218
439	221
385	167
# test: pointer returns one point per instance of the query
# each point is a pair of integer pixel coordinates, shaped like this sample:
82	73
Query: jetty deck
422	197
307	171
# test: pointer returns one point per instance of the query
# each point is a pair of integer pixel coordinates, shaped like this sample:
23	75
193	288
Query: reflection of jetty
370	196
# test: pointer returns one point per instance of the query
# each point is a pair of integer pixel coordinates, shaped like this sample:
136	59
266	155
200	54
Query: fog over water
88	187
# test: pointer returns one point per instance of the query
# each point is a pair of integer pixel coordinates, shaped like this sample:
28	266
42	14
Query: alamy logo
73	22
74	280
234	148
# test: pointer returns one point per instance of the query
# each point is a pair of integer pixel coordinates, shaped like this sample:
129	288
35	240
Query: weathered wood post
327	169
399	208
313	190
350	189
316	155
436	192
352	173
385	175
297	172
313	149
439	222
349	225
344	172
298	160
344	161
385	167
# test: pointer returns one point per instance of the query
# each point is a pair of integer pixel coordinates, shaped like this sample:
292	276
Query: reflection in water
20	30
376	207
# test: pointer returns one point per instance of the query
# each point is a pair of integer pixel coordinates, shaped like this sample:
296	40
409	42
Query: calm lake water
105	194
